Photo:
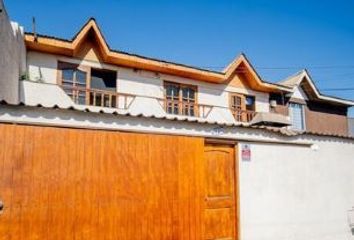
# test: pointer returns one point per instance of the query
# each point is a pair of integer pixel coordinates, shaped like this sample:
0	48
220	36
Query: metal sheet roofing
282	131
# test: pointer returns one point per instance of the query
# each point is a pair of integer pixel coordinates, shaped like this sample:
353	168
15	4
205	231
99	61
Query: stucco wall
13	56
287	191
43	68
290	192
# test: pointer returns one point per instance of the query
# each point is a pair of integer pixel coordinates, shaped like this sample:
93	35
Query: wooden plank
60	183
220	215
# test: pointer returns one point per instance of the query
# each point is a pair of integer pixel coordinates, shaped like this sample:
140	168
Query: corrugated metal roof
282	131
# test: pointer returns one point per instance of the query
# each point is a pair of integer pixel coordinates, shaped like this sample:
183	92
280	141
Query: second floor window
180	99
74	83
297	116
242	107
89	86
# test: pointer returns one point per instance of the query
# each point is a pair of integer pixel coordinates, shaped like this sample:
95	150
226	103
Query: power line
291	67
310	67
338	89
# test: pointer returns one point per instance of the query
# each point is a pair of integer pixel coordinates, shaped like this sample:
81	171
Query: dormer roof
303	80
91	31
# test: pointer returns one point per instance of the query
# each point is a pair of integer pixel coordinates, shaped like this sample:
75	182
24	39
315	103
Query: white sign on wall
246	152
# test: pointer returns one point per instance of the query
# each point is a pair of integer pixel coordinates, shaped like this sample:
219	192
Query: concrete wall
42	68
13	57
293	188
290	192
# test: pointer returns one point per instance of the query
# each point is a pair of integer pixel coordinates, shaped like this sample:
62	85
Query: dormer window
89	86
103	85
74	82
242	107
180	99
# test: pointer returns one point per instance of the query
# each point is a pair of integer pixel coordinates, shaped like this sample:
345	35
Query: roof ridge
292	76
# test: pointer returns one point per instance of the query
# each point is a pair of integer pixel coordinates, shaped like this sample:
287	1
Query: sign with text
246	152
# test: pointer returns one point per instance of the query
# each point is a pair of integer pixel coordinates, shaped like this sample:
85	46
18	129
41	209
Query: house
312	111
103	144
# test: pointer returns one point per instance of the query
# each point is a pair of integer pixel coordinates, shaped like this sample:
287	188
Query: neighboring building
12	56
105	144
351	126
312	111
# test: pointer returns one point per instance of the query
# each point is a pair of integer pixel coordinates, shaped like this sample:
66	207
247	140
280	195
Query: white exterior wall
290	192
12	57
147	86
294	188
299	94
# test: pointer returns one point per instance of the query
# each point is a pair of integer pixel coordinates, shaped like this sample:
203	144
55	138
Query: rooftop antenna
34	29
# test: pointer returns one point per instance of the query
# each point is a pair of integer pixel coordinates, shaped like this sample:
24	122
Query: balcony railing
243	115
186	108
99	98
110	99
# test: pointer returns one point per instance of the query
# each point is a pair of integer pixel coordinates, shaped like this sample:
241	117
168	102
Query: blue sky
279	37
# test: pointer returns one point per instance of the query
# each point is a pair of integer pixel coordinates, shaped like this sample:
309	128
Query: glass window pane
175	108
185	110
81	77
104	80
250	103
185	92
68	74
191	93
81	99
169	109
297	116
172	91
191	113
98	100
237	103
114	102
106	102
188	93
249	100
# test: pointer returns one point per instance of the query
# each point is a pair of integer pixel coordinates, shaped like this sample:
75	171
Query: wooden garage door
61	183
220	209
